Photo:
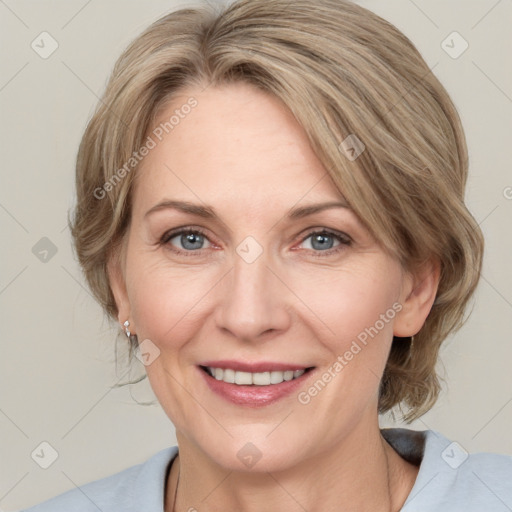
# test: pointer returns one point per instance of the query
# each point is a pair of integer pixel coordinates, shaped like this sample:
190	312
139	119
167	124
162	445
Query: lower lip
254	396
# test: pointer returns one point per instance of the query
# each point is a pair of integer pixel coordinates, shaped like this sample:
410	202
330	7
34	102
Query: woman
271	205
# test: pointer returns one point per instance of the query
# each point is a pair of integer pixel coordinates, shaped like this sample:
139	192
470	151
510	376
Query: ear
418	294
118	286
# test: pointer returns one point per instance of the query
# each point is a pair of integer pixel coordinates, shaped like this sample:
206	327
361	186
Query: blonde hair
342	71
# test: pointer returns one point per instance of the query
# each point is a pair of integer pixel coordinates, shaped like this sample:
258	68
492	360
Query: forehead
237	145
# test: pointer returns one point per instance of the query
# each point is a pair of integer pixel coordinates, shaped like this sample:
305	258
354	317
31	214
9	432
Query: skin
241	152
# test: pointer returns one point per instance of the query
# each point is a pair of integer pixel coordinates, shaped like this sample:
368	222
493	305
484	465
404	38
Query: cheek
357	304
164	300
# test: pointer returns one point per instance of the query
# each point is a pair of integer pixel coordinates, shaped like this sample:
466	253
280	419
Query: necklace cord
176	490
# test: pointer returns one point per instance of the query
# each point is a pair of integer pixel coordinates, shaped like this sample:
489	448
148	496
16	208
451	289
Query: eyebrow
208	212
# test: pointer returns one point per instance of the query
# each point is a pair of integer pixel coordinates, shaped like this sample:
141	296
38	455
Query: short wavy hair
341	70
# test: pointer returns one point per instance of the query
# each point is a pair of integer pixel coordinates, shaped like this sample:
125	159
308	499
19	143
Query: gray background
58	352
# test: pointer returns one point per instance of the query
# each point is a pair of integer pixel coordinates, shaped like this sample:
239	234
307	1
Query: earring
126	329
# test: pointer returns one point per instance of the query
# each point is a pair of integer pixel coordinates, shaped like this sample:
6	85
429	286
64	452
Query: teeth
229	376
241	377
261	379
257	379
276	377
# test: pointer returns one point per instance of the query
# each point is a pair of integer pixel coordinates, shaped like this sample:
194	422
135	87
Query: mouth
254	388
241	378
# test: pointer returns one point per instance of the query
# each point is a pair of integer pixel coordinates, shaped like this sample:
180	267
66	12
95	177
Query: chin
256	452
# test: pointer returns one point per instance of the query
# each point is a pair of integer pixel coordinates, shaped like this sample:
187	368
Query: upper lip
254	367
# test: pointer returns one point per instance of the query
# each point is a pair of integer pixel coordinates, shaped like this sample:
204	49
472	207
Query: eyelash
169	235
343	238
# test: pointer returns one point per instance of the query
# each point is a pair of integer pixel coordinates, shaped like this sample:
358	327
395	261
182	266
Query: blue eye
191	240
326	241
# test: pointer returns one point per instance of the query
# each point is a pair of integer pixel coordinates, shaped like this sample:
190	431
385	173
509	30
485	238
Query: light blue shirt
449	479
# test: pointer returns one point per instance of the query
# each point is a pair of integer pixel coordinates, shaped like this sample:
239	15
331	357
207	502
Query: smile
257	388
240	378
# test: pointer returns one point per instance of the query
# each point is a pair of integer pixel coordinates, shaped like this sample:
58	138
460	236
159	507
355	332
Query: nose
254	301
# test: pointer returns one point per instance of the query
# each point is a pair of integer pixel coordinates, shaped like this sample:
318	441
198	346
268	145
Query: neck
361	473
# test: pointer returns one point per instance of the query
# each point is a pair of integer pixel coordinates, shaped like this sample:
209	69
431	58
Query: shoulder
139	487
452	479
481	479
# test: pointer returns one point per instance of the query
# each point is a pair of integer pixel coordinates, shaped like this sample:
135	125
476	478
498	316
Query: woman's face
257	282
